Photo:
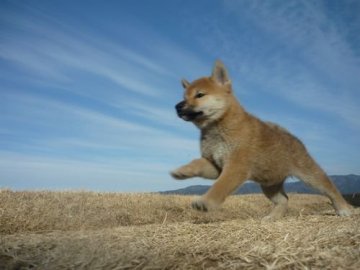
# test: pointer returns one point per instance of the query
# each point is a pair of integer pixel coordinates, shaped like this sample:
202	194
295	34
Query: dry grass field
85	230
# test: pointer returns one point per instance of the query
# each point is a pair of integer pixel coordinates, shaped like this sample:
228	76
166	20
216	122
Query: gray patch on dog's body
214	147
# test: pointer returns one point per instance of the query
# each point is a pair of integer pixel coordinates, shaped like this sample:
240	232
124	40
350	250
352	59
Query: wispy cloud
95	128
49	49
307	59
53	56
63	141
134	137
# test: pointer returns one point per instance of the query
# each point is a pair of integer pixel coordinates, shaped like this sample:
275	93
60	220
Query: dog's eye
199	95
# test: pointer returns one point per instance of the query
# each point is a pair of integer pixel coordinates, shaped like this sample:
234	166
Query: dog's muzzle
186	113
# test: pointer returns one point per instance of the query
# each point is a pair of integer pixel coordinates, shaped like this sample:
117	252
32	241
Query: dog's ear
185	83
220	74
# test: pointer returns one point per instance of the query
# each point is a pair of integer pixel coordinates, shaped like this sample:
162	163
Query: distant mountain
347	184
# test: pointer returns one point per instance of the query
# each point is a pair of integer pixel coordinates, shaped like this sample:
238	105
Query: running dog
236	146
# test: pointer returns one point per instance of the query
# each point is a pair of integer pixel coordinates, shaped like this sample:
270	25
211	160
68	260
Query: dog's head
206	99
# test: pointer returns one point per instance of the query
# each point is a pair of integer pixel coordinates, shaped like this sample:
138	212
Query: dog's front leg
198	167
232	176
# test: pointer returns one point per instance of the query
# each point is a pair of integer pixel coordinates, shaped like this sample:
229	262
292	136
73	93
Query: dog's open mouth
190	115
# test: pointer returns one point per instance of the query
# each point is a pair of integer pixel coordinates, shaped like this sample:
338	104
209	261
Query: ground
86	230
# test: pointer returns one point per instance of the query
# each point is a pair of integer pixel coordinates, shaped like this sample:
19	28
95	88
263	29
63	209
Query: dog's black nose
180	106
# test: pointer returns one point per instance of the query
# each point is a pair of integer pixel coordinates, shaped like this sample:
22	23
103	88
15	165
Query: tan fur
236	146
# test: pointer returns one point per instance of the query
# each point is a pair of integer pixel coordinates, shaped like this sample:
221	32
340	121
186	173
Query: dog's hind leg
199	167
314	176
277	195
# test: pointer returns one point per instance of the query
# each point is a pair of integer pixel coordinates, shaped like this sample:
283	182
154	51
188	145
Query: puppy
236	146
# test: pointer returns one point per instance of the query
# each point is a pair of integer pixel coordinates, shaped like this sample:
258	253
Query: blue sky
88	88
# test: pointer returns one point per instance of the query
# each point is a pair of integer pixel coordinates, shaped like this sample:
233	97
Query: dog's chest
214	148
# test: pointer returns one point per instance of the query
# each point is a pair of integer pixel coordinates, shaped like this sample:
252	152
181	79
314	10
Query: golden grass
84	230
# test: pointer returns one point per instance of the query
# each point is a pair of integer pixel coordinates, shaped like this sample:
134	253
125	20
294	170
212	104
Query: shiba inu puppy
236	146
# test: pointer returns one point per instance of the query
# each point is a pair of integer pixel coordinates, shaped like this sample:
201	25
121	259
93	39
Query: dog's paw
177	175
200	205
181	173
345	212
271	218
277	213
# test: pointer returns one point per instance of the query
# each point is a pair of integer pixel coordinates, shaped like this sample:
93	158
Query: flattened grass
85	230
